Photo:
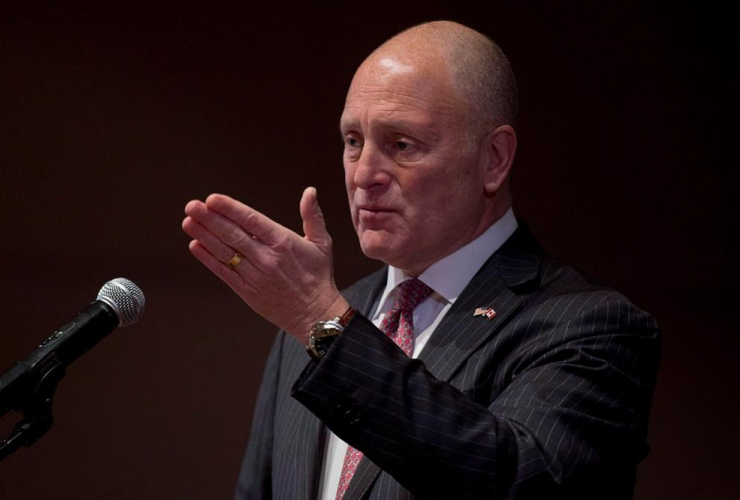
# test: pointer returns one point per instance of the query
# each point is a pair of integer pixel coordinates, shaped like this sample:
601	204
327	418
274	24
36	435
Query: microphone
119	303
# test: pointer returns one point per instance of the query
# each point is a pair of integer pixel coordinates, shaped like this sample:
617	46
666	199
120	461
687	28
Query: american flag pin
488	312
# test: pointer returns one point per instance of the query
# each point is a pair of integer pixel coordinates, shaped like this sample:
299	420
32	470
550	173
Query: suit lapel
365	292
460	332
308	437
498	285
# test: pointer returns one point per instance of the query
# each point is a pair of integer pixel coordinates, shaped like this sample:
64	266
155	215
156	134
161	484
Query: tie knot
412	293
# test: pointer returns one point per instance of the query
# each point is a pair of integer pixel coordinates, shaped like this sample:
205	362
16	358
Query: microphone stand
37	417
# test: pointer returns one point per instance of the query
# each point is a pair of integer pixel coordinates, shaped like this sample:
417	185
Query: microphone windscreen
125	298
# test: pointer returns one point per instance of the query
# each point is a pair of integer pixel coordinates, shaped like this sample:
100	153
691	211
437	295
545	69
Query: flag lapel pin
488	312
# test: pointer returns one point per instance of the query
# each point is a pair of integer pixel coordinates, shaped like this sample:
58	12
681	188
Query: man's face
412	171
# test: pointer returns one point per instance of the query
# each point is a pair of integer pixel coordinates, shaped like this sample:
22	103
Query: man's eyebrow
423	131
345	123
412	127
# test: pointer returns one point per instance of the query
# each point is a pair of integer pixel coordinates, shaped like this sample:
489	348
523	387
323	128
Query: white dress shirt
447	277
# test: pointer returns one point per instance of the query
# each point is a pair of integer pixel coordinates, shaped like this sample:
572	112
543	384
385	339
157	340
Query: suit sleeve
571	414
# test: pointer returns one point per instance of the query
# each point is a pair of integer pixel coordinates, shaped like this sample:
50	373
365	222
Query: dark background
111	119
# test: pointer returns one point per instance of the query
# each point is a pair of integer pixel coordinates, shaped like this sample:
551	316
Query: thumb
314	226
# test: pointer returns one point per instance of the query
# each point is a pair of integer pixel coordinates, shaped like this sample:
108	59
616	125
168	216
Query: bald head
429	143
471	63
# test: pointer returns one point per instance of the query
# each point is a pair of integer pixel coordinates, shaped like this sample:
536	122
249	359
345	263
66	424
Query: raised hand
285	278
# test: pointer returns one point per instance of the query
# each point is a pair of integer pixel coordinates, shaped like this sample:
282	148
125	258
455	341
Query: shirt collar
449	275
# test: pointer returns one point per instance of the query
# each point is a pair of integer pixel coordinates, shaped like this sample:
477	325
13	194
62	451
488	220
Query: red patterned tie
398	324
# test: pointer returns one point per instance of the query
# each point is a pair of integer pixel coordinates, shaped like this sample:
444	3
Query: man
474	365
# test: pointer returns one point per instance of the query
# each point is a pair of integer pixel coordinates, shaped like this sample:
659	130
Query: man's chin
393	252
379	245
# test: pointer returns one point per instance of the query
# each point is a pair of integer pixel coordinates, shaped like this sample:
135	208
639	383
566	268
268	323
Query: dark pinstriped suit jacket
549	399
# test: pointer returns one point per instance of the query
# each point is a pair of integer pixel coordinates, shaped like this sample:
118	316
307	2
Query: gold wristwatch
324	333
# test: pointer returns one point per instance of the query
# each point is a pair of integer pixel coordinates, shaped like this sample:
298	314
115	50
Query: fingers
218	249
220	235
314	225
223	226
231	278
246	218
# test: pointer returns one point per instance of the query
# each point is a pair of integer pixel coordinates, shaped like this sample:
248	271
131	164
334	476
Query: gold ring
235	260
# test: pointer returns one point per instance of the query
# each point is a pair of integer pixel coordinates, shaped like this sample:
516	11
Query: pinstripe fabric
398	324
550	398
286	443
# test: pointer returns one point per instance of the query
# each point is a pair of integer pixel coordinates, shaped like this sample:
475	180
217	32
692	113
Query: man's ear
500	145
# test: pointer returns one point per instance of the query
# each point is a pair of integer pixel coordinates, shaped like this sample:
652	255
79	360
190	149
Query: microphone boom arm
37	416
30	385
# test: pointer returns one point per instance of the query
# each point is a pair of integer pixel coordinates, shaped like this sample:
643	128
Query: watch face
322	346
321	339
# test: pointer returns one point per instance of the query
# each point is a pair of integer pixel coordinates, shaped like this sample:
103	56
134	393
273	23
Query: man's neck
492	218
451	273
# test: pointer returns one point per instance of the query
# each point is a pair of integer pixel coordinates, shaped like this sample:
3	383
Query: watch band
345	318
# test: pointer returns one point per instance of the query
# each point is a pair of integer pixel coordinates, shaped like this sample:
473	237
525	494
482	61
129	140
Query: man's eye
353	142
403	146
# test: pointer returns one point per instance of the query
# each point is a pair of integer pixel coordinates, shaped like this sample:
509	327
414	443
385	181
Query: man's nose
373	168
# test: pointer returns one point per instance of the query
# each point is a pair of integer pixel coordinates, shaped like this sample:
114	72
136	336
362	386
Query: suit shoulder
572	294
